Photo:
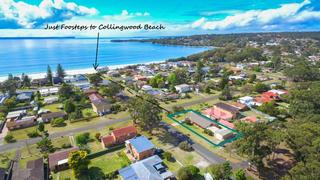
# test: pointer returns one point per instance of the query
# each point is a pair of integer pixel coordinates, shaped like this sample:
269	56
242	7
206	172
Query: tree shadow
95	173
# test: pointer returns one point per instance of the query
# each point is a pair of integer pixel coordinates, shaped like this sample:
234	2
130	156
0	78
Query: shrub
168	156
187	172
177	109
207	131
9	138
83	139
184	145
188	121
111	175
115	108
111	128
58	122
66	145
33	134
97	136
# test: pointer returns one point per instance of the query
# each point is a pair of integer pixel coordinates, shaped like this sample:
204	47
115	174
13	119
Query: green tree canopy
79	162
145	111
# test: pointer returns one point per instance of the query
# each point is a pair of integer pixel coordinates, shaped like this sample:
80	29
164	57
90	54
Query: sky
179	17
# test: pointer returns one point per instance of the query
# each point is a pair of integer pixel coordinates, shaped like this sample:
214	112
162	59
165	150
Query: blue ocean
31	56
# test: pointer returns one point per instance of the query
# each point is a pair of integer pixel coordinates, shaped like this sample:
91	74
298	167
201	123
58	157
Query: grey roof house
199	120
151	168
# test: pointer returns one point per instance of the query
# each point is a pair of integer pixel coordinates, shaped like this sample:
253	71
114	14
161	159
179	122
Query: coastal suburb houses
100	105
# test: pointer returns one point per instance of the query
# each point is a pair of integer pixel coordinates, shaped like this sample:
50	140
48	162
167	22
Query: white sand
78	71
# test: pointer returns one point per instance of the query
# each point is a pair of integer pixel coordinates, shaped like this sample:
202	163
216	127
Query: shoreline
79	71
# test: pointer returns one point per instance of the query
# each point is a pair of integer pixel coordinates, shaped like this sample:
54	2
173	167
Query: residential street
19	144
201	150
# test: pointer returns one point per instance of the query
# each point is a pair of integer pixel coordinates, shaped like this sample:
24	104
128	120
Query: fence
238	134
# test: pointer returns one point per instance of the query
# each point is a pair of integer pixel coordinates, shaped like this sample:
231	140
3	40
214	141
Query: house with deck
151	168
139	148
59	160
47	117
99	105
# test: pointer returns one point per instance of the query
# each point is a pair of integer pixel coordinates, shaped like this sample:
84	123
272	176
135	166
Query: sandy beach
77	71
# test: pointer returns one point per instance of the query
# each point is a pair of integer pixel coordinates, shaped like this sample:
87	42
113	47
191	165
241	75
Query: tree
60	71
9	138
179	76
65	91
157	81
185	145
260	88
269	108
168	156
252	142
199	72
220	171
77	114
49	75
252	78
69	106
57	122
304	100
82	139
26	81
79	162
302	71
145	111
240	174
225	94
41	127
188	172
308	170
10	86
95	79
45	146
111	90
10	103
223	82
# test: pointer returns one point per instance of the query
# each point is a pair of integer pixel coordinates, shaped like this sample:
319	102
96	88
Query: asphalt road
67	132
201	150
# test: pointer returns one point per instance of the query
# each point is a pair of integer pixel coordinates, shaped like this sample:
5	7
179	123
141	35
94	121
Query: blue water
33	55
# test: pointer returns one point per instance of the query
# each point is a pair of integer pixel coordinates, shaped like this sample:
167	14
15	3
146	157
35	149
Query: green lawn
5	158
53	107
21	134
31	152
99	166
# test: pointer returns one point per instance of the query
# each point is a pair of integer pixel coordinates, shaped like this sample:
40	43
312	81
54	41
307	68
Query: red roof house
119	136
227	123
267	97
251	119
222	111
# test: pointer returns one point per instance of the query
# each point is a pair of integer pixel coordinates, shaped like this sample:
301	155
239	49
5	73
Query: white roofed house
247	100
48	91
183	88
51	99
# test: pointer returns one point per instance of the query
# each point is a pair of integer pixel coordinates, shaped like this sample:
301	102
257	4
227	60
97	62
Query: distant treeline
219	40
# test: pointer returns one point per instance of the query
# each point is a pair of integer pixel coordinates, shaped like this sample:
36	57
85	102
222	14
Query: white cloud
286	14
30	16
125	15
